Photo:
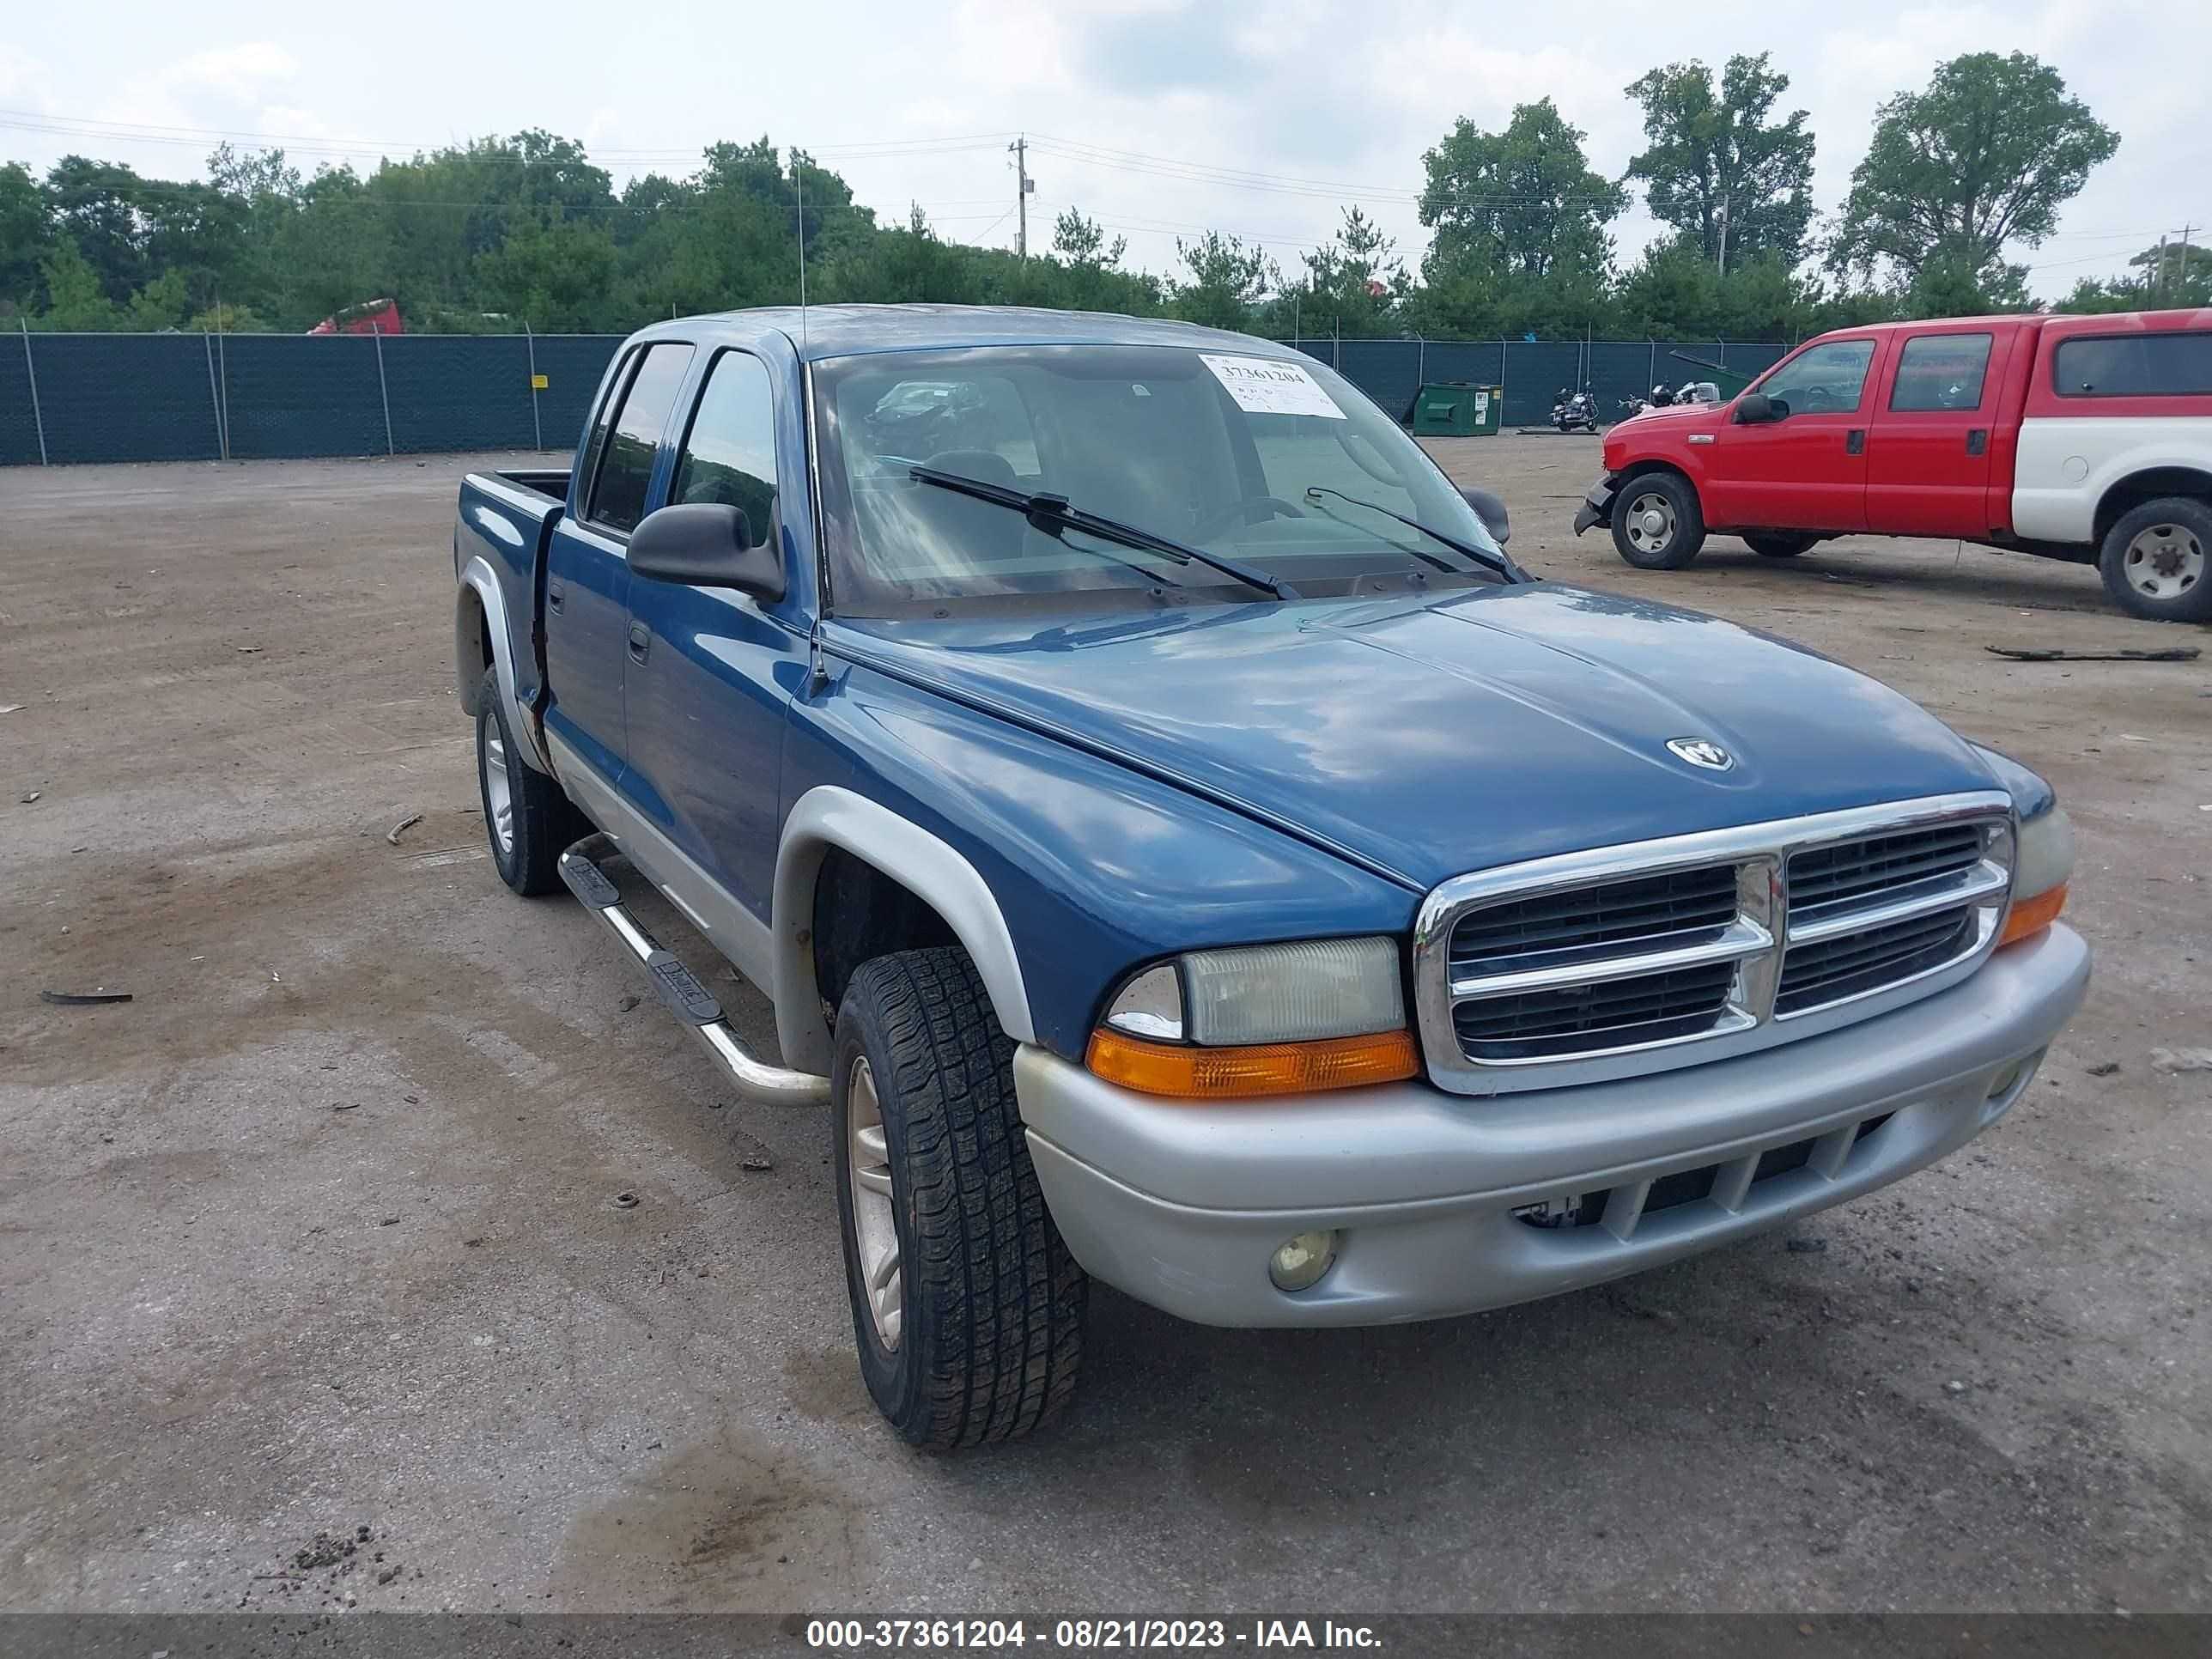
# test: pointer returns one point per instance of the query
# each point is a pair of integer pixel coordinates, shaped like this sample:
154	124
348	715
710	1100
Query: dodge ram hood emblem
1702	751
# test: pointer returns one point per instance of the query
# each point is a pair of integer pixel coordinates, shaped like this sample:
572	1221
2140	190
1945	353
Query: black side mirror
1757	408
705	544
1490	509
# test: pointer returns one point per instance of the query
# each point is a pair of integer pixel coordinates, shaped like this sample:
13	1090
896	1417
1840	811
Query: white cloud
236	72
1347	90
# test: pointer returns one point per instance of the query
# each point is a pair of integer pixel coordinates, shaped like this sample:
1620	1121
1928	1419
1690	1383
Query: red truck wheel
1657	524
2157	561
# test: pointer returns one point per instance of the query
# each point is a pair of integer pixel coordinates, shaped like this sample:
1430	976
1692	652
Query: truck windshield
1212	450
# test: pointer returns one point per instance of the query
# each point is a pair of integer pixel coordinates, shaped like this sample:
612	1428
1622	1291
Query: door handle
1977	441
555	594
640	640
1855	443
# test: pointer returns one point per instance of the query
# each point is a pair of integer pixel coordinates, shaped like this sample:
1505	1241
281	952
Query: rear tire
1657	524
1775	544
970	1328
527	820
2157	561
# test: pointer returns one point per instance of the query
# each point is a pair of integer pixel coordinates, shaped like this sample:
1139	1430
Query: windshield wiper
1052	515
1497	562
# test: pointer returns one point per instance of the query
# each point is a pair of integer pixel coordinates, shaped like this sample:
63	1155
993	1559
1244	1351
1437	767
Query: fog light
1299	1263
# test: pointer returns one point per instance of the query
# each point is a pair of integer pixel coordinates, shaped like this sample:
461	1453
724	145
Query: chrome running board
679	990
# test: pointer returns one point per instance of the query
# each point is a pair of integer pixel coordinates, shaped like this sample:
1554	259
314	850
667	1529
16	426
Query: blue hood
1431	736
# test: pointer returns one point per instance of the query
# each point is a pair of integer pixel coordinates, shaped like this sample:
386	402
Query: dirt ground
318	1233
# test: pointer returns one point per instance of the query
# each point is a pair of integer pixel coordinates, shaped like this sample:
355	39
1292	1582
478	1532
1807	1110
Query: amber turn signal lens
2030	916
1267	1068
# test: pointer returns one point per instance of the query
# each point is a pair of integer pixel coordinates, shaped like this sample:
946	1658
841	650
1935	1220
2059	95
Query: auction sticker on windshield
1263	386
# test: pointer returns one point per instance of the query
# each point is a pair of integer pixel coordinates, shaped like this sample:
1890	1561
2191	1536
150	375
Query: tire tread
995	1303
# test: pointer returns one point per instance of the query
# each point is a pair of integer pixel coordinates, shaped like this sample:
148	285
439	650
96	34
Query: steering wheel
1819	397
1244	511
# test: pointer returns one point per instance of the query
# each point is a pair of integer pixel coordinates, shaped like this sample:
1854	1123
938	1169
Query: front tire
1775	544
2157	561
527	820
967	1307
1657	524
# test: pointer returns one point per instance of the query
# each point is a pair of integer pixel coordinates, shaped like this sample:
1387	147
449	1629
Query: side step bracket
680	990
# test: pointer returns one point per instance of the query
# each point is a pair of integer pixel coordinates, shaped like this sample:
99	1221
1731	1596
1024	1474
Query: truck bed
500	534
551	482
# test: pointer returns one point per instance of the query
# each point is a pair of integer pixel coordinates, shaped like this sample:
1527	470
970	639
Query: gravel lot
317	1233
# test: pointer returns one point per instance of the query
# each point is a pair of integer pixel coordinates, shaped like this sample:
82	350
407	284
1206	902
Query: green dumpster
1455	408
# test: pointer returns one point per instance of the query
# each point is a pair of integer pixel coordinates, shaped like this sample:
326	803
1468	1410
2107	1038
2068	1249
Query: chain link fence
66	399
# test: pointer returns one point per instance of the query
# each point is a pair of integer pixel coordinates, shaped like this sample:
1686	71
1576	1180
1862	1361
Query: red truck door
1927	457
1805	470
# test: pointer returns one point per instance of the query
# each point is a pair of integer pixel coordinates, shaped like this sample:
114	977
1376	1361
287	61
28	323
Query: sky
1158	117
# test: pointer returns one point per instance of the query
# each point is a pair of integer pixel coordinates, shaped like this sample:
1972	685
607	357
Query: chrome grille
1630	959
1849	966
1651	1007
1652	912
1825	878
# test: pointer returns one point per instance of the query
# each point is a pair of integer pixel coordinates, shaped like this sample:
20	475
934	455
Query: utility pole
2183	285
1721	264
2158	281
1019	149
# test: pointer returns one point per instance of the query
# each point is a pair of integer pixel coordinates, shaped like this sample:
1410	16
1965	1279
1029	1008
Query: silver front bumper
1180	1204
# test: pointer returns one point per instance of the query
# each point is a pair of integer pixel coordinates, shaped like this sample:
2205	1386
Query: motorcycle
1659	397
1574	410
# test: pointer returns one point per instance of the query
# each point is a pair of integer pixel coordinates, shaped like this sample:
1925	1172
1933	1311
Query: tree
1715	159
27	236
336	251
76	302
94	206
1223	280
1356	277
557	278
1082	243
1986	155
1522	202
2168	276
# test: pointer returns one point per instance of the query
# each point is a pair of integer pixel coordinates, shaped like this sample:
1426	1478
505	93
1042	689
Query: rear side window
595	440
618	496
1941	371
2159	365
729	455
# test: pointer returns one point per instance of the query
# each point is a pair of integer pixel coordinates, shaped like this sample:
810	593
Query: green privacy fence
74	397
77	398
1533	371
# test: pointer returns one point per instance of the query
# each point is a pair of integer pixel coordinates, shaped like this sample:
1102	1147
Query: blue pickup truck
1183	848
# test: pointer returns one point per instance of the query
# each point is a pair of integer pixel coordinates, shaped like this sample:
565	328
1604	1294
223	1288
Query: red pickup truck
2088	439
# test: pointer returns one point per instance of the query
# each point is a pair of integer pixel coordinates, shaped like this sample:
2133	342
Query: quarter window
2164	364
1941	371
729	455
626	469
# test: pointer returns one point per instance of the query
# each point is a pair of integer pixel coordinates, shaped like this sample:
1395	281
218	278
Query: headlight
1266	1019
2042	859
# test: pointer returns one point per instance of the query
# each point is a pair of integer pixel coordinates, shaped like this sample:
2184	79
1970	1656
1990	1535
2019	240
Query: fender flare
480	603
828	816
2124	470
